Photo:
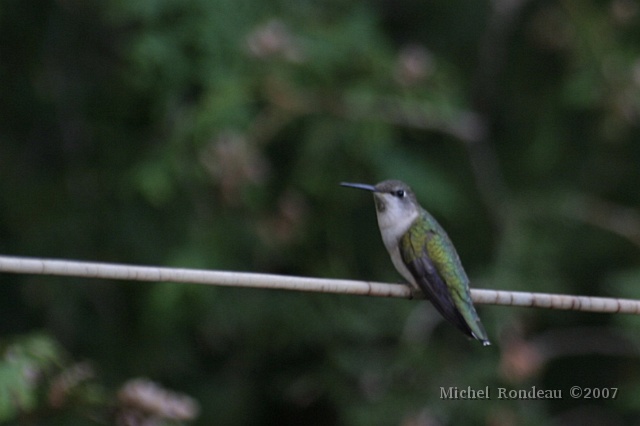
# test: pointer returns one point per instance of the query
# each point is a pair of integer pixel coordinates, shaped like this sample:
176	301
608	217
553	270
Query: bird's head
395	201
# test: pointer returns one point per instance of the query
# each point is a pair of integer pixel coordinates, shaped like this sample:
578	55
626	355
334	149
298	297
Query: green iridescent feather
434	263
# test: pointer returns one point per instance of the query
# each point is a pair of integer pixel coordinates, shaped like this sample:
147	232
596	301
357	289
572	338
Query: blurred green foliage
213	134
22	366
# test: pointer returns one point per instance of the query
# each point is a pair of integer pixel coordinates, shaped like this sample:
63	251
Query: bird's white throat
394	220
394	217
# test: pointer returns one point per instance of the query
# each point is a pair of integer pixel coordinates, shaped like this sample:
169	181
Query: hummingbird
423	254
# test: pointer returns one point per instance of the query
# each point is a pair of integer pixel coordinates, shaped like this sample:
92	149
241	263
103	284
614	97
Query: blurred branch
621	220
493	52
521	358
461	124
486	91
24	265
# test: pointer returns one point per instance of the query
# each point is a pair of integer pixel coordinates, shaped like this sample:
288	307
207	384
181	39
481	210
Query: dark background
213	134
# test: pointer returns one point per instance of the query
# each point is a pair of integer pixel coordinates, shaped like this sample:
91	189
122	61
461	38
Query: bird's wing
429	277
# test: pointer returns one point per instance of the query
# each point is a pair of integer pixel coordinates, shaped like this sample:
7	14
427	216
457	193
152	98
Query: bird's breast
391	236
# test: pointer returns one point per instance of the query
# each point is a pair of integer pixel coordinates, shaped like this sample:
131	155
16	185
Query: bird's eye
400	193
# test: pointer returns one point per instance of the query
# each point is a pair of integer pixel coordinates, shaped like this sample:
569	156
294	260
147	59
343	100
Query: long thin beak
359	186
